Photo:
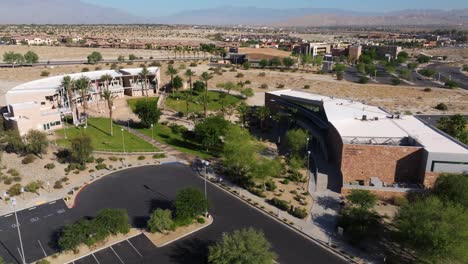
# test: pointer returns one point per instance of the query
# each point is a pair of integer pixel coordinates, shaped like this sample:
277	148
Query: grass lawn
164	135
177	101
98	129
132	102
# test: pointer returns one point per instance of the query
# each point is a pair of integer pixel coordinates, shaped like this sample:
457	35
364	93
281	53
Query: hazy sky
162	7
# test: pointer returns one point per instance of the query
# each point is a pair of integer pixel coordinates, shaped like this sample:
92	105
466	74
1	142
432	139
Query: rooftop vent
364	118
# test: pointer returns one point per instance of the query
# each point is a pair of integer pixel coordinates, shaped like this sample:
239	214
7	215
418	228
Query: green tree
359	223
189	74
69	87
148	112
288	62
109	97
452	188
160	221
436	231
296	142
14	190
455	126
247	92
189	203
243	110
275	62
205	77
266	168
14	142
132	57
114	221
36	142
451	84
31	57
94	57
263	63
362	198
13	58
199	86
81	149
144	77
177	83
33	186
82	85
171	71
210	130
245	246
262	113
121	58
247	65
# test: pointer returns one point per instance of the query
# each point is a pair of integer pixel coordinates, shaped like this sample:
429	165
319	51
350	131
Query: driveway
139	191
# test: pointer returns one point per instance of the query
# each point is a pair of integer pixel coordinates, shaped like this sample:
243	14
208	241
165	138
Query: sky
157	8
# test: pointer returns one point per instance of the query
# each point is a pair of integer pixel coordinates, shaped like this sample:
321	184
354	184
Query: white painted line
8	215
43	251
32	208
95	258
134	248
53	202
117	255
49	215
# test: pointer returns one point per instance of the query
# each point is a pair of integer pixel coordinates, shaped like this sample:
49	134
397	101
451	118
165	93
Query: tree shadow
190	251
328	203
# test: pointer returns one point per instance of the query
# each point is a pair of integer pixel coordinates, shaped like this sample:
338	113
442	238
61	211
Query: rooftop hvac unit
364	118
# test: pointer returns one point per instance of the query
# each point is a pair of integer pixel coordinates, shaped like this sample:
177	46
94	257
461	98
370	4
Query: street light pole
206	163
308	165
13	203
123	141
152	134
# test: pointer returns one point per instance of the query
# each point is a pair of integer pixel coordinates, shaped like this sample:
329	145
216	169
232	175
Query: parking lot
133	250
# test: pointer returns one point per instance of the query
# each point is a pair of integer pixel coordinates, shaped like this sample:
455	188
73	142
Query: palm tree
262	114
68	85
243	110
109	97
171	71
206	77
106	79
189	74
144	75
82	85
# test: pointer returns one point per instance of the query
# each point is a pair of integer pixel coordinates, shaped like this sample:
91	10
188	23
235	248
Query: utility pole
13	203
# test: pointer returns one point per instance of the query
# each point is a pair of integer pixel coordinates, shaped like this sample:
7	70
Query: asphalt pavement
140	191
448	72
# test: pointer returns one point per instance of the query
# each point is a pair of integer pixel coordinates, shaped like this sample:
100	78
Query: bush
451	84
90	159
159	156
193	64
33	186
427	89
300	213
396	81
160	221
280	86
16	178
85	69
240	75
45	73
15	190
141	157
189	203
441	107
13	172
400	201
280	204
306	86
101	166
58	185
264	86
99	160
201	220
248	82
270	185
363	80
427	72
113	158
30	158
257	192
262	74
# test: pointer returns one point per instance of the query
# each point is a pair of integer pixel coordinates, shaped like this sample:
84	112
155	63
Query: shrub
248	82
101	166
113	158
16	178
257	192
64	179
427	72
306	86
189	203
13	172
90	159
441	107
58	185
451	84
15	190
427	89
193	64
264	86
400	201
45	73
33	186
99	160
270	185
160	221
7	180
363	80
141	157
159	156
240	75
298	212
85	69
262	74
396	81
30	158
280	204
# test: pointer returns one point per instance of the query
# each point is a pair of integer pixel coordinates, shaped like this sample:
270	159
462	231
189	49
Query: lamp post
308	165
152	133
308	143
206	163
123	141
13	204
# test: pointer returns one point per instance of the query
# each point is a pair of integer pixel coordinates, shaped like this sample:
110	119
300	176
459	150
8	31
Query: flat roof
347	117
50	83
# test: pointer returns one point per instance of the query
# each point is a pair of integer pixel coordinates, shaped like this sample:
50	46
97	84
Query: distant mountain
78	12
405	17
60	12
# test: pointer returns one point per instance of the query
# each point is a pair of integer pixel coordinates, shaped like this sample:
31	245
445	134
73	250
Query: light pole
13	204
206	163
308	164
152	133
123	141
308	143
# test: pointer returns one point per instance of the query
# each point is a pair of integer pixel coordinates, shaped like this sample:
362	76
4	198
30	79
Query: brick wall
389	163
387	196
430	179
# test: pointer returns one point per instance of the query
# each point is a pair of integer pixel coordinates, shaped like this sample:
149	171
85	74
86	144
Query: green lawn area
132	102
164	135
98	129
177	102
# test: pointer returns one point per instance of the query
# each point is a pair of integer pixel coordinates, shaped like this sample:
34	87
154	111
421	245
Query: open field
98	130
264	53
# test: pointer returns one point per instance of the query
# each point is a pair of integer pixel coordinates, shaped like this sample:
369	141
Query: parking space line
32	208
96	259
43	251
134	248
53	202
117	255
8	215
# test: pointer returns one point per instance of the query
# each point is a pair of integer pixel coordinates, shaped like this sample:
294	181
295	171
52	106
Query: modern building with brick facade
42	104
372	149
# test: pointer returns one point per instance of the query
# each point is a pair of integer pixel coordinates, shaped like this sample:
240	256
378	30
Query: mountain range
78	12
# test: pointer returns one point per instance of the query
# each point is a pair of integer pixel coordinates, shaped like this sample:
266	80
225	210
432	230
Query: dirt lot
264	53
452	53
394	98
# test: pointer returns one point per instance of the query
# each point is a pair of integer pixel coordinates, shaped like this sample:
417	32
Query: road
449	72
140	191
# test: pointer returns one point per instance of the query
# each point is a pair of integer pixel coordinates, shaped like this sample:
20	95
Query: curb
298	231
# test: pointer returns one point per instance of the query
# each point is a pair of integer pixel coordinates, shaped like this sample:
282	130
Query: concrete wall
389	163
